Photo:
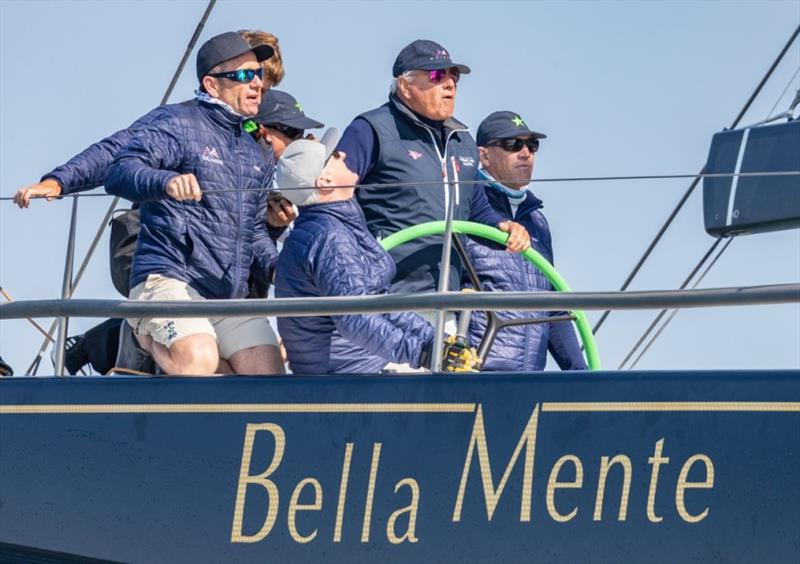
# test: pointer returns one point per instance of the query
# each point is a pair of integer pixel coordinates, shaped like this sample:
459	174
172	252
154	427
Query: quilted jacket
522	348
210	244
330	252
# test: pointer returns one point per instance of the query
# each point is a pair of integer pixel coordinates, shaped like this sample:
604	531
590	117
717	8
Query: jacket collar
499	201
347	211
219	111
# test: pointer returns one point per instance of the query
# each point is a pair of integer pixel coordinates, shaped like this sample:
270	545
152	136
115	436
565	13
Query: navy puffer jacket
210	244
330	252
522	348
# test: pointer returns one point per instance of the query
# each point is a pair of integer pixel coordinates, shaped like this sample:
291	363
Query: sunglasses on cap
291	132
438	75
515	145
241	75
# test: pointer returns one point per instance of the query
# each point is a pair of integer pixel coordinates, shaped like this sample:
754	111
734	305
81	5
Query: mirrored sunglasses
291	132
438	75
241	75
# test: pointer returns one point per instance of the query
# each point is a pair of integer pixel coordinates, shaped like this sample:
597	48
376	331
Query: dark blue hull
606	467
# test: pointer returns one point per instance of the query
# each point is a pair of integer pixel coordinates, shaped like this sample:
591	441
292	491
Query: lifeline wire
439	183
691	188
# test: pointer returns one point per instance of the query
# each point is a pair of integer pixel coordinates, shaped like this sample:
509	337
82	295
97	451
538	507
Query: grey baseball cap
301	164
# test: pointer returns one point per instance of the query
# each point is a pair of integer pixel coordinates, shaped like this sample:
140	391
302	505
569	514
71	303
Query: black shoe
76	356
5	369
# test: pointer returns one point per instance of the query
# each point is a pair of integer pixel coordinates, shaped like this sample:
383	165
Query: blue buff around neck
515	195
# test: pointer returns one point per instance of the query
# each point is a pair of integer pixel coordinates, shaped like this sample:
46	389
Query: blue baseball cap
281	107
424	54
224	47
503	125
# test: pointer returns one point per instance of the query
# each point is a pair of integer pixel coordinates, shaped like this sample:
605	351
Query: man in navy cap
199	239
409	142
507	149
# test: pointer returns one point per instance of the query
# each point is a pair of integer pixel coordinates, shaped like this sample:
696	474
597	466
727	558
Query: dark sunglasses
515	145
438	75
241	75
291	132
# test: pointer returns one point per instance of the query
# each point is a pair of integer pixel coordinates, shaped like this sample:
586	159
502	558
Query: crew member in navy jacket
198	237
507	151
414	139
330	252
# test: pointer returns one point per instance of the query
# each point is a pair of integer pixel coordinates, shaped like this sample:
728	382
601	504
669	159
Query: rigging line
674	312
788	84
34	367
663	312
638	266
438	183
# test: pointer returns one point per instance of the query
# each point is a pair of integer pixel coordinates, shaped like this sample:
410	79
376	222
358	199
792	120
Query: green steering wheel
493	234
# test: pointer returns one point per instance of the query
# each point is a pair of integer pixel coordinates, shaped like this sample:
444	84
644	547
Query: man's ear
211	85
484	155
403	88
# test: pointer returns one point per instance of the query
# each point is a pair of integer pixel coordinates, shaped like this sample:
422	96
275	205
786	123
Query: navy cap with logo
424	54
504	125
282	108
225	47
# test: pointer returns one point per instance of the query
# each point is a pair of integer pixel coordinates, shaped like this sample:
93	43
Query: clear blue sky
620	88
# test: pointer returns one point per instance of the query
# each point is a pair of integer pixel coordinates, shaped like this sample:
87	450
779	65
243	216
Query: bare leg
224	367
193	355
259	360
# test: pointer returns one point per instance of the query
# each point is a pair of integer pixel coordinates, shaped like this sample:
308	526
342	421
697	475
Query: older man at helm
199	239
408	143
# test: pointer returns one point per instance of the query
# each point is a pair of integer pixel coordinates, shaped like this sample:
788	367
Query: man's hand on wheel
518	238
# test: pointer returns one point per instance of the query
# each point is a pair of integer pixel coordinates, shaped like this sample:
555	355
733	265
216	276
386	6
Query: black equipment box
753	204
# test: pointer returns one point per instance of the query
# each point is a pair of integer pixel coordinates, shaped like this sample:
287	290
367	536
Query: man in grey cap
507	149
199	239
330	252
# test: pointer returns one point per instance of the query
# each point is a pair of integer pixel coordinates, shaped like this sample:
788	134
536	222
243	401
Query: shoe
76	356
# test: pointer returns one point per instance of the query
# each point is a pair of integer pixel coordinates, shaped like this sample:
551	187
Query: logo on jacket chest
211	155
414	154
467	161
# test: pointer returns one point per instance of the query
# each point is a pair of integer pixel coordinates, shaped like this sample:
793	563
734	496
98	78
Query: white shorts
232	334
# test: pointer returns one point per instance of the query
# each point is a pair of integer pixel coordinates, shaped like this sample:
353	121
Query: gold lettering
295	506
348	456
411	509
492	495
553	484
261	479
373	474
683	485
656	460
627	470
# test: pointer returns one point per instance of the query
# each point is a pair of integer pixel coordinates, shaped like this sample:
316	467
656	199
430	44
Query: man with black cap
199	238
409	142
507	149
331	253
281	120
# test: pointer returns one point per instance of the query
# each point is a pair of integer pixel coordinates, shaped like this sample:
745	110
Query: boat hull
608	467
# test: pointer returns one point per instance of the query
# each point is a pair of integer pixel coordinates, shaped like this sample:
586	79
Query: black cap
424	54
225	47
503	125
281	107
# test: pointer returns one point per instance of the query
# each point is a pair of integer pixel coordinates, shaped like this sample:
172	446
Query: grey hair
408	76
